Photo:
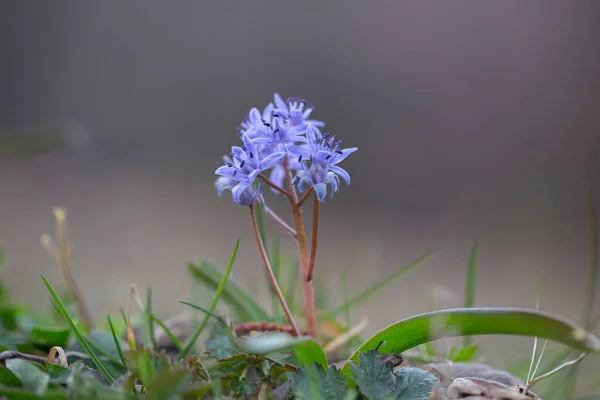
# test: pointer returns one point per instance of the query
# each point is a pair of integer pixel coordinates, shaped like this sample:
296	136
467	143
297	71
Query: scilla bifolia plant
285	150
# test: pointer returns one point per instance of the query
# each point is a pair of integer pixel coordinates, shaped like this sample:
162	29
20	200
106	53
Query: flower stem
270	274
274	186
308	289
280	221
315	238
305	197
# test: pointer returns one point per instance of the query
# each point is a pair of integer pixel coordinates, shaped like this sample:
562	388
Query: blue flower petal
280	104
271	160
225	171
244	194
223	183
341	172
277	176
320	191
345	153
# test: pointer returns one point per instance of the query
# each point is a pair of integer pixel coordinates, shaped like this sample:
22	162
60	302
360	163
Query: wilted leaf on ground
314	382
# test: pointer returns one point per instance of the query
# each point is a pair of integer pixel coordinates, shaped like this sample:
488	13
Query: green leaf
58	373
193	364
146	365
314	382
9	314
13	393
242	388
415	384
306	350
220	343
247	308
424	328
375	379
220	289
411	267
30	375
82	387
77	332
50	336
8	378
169	384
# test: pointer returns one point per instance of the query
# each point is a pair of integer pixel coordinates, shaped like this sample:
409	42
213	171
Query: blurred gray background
474	121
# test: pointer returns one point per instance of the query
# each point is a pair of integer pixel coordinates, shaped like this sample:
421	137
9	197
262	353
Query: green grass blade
150	320
204	310
345	298
470	286
590	292
424	328
307	351
292	285
539	361
593	265
276	265
190	344
244	303
260	222
411	267
538	307
77	332
41	139
117	342
169	333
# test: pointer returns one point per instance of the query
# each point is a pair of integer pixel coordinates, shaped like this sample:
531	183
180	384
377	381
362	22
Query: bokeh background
475	121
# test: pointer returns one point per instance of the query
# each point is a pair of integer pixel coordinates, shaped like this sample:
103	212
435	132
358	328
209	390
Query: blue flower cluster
282	135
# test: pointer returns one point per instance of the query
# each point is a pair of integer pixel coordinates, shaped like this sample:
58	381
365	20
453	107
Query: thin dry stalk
62	253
